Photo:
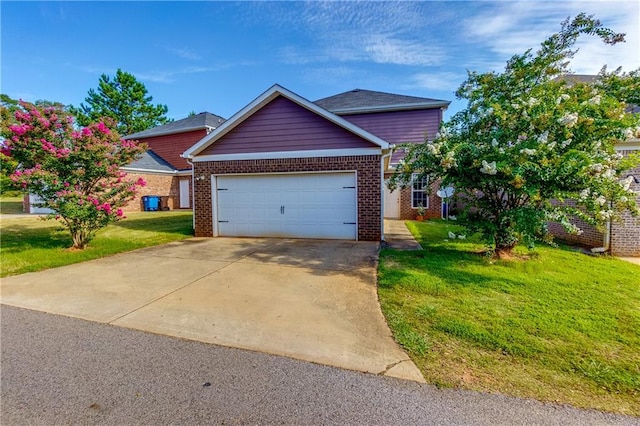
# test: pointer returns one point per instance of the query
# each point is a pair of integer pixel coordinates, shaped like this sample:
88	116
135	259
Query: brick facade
625	234
165	186
590	236
432	211
368	180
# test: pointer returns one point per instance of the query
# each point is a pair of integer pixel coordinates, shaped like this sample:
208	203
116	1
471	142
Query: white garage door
317	205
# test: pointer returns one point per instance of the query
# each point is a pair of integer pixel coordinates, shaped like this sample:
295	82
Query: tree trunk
505	240
79	238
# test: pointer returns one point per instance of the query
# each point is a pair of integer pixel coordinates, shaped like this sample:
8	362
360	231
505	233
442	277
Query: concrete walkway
310	300
635	260
397	236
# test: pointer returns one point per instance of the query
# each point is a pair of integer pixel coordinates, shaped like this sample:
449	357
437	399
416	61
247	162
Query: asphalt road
59	370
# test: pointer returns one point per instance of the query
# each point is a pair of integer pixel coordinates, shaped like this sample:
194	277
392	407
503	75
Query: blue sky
218	56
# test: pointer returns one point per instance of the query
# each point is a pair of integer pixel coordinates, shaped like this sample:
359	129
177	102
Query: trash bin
151	203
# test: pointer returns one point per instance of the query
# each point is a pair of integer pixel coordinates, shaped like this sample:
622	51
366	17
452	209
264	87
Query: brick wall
166	186
368	175
590	236
625	235
433	211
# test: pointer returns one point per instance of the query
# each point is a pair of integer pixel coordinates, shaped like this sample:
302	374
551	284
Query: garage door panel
298	206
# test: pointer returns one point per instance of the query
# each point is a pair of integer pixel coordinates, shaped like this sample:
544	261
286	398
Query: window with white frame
419	191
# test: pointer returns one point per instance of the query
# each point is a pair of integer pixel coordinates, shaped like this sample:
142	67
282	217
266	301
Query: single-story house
285	166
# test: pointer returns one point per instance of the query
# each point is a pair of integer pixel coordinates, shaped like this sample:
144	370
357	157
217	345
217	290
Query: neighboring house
397	119
620	238
166	173
287	167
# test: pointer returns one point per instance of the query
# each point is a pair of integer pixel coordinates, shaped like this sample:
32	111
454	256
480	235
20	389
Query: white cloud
388	50
378	32
184	53
436	81
167	76
509	28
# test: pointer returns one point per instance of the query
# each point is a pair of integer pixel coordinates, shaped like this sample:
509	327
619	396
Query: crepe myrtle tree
529	141
76	171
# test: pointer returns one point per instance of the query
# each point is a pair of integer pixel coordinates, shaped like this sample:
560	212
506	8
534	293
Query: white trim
168	132
263	100
425	190
391	108
628	145
149	171
214	203
305	172
289	154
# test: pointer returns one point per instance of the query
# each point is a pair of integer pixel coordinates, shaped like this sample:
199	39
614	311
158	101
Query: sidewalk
397	236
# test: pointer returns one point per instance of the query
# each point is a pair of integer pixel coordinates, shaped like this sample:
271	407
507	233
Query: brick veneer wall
625	235
589	237
433	211
368	180
166	186
409	213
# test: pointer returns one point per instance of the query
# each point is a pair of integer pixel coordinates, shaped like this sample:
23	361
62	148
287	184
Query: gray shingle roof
198	121
359	101
152	162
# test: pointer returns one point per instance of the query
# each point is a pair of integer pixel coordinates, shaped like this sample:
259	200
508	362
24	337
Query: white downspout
606	238
382	158
193	194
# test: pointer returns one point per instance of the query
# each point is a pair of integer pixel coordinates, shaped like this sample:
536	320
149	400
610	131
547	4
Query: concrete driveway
305	299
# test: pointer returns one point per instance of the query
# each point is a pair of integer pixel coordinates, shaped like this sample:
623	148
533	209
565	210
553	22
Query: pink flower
141	182
18	129
67	184
119	213
80	202
104	129
106	207
86	132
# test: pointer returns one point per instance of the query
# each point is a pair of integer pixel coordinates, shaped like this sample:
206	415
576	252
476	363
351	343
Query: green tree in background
123	99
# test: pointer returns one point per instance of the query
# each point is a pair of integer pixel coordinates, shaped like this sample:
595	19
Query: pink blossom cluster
49	147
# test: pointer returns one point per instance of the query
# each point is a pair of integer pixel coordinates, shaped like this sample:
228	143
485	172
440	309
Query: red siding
169	147
400	127
283	125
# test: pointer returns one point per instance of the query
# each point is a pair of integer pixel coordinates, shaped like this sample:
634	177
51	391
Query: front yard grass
10	204
561	326
30	244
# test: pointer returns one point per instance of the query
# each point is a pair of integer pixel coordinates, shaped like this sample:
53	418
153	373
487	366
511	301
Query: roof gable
360	101
195	122
263	100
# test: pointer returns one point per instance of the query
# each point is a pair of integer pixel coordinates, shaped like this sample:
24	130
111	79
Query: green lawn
10	205
562	326
31	244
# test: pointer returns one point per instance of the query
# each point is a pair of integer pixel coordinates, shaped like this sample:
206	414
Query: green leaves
76	172
530	135
125	100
